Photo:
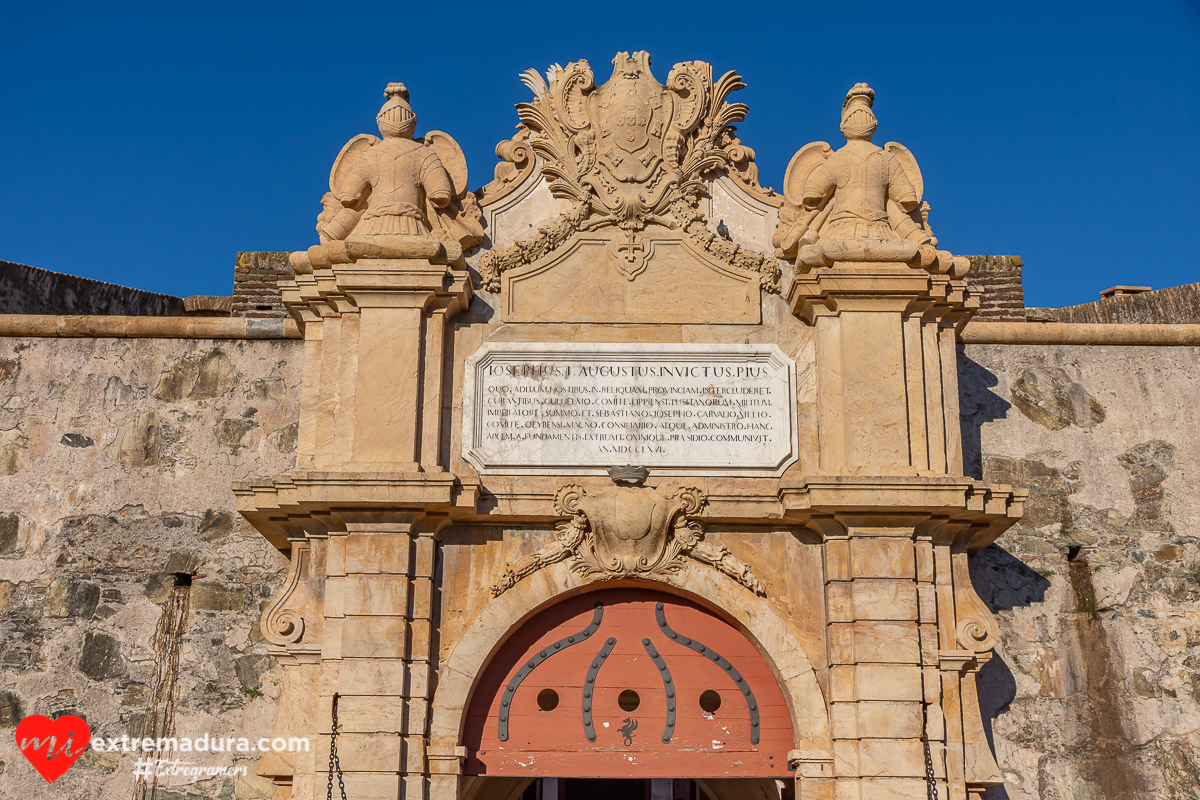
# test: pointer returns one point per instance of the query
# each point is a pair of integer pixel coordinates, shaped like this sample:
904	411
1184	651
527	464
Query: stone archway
753	616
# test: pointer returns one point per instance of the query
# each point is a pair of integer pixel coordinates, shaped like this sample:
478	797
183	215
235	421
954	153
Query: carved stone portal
627	532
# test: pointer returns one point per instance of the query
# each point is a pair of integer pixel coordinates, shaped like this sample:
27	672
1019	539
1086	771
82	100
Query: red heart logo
52	745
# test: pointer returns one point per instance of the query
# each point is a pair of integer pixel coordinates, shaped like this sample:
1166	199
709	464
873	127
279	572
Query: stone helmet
396	119
858	121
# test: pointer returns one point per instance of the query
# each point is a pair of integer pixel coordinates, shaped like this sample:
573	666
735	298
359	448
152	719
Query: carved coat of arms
630	154
629	531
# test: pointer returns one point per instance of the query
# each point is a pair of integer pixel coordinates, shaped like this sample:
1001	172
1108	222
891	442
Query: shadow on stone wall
1004	582
977	405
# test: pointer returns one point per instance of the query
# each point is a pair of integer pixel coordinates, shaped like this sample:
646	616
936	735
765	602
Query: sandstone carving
860	203
629	531
628	155
398	186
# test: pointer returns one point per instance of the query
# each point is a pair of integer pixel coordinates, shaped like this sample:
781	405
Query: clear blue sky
145	144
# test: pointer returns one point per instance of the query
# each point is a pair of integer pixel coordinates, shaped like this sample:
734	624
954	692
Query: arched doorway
628	683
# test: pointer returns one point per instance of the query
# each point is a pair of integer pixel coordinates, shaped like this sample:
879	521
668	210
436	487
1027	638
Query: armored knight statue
861	192
399	186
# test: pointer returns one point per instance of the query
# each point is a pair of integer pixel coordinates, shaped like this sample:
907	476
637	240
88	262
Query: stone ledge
121	327
983	332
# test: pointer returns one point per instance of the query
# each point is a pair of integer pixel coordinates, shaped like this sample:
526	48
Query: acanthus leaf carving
626	532
630	154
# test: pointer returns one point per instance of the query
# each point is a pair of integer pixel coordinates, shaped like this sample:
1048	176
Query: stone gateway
593	501
622	476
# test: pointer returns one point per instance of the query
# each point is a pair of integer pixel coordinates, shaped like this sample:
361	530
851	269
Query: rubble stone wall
116	459
1094	691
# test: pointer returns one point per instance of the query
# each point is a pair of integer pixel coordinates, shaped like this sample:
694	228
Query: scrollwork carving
629	531
282	622
975	625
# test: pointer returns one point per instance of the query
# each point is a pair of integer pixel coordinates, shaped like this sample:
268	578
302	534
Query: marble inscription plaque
679	409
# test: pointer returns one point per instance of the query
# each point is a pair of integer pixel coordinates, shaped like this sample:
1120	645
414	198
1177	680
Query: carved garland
575	543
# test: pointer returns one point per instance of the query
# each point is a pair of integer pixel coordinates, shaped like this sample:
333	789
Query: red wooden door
628	683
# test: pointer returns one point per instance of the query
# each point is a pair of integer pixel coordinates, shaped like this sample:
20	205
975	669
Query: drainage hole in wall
547	699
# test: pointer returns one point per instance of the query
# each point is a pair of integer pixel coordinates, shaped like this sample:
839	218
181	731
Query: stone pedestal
374	333
886	366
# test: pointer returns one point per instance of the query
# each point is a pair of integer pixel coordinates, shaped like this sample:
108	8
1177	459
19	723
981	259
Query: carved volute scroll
629	531
628	155
282	623
975	625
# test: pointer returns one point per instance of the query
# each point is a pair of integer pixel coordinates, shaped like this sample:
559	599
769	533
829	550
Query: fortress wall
116	459
1095	687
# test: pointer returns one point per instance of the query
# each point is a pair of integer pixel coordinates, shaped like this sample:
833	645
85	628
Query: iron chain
335	764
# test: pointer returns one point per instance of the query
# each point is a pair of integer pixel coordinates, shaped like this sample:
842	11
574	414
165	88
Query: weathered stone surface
1092	690
10	533
138	442
231	431
68	598
188	379
284	440
100	658
267	389
79	518
30	290
11	710
217	597
1049	397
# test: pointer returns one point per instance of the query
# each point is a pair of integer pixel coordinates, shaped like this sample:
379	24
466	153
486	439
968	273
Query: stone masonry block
374	714
889	720
841	643
414	755
376	595
374	637
927	603
386	553
424	547
422	598
839	602
843	720
837	560
420	640
883	558
841	684
891	758
363	752
365	676
331	639
845	757
363	785
335	593
335	556
893	789
416	715
887	682
885	599
415	787
886	642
